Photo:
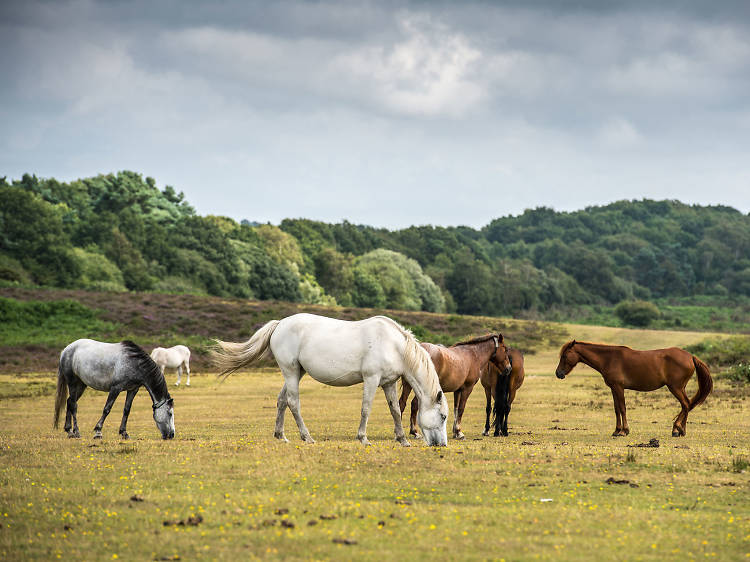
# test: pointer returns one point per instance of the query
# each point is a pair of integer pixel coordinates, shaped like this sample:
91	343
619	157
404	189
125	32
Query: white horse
376	352
177	356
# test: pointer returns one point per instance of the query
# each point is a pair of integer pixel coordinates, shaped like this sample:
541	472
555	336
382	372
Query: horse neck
591	355
157	389
481	350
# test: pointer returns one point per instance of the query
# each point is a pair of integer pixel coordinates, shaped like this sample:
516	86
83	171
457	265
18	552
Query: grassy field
544	492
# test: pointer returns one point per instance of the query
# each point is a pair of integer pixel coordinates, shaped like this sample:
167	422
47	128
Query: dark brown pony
458	368
503	388
625	368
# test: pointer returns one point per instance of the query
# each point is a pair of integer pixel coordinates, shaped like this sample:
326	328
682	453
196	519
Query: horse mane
147	367
571	343
479	339
416	357
567	346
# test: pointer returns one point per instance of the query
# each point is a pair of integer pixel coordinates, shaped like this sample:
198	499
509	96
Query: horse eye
443	416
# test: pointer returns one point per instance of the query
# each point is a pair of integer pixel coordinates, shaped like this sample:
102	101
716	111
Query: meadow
559	487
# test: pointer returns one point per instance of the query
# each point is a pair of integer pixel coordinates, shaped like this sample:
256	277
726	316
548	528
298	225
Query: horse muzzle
508	370
559	374
169	435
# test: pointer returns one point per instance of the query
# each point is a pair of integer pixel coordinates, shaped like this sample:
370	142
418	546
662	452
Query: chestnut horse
504	388
458	368
625	368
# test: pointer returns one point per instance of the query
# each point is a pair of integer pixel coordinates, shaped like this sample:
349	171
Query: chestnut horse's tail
502	396
62	394
705	383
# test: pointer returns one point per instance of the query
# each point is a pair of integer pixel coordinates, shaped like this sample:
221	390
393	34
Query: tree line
120	232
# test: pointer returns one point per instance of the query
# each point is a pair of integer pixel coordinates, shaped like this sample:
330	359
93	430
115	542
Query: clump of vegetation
739	372
52	322
637	313
740	464
729	354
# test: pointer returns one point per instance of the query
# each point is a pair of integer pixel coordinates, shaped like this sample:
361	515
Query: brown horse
504	388
458	368
625	368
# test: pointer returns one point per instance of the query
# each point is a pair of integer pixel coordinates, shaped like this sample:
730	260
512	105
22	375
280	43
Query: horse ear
170	402
499	338
439	396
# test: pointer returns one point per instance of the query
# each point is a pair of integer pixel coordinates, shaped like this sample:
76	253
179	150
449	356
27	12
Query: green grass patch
56	322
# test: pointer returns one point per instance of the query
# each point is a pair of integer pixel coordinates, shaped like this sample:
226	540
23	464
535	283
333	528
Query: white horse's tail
230	357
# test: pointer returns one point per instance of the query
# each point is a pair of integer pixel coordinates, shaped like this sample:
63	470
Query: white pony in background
174	357
376	352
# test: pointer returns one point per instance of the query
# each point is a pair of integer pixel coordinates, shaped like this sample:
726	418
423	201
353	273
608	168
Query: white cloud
429	71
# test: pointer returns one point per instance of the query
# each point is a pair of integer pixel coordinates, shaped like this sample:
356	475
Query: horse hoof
485	432
505	434
308	439
404	443
177	384
74	435
187	384
282	437
97	435
124	436
459	436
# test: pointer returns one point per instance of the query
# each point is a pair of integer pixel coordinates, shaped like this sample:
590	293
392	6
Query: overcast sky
384	113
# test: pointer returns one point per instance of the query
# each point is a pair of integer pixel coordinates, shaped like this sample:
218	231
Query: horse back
93	362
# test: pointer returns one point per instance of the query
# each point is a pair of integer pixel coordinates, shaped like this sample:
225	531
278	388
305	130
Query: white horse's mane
417	359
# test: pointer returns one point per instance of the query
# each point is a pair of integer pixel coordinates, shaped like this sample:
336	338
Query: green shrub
740	372
723	352
51	323
637	313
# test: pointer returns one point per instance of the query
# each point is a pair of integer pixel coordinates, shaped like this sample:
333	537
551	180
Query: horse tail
502	395
705	383
62	394
230	357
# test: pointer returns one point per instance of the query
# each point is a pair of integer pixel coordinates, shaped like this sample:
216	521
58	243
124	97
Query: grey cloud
383	113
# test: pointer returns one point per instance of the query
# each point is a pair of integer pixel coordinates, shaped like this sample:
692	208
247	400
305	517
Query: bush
740	373
637	313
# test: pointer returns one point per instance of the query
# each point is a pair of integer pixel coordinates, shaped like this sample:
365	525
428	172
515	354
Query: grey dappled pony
113	368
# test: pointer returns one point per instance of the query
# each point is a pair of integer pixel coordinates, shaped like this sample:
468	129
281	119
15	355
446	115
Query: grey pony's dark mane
480	339
148	369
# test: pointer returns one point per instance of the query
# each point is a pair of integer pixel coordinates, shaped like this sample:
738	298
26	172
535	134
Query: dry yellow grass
541	493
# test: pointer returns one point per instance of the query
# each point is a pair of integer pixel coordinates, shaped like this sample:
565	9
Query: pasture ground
541	493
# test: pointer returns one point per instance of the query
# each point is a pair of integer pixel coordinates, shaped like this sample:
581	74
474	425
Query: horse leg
456	426
179	374
405	391
487	410
413	429
391	395
465	392
187	369
111	397
678	429
618	396
511	397
281	404
126	412
75	390
292	378
370	385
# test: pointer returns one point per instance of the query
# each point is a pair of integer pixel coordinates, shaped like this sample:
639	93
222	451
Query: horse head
500	357
164	417
432	421
569	358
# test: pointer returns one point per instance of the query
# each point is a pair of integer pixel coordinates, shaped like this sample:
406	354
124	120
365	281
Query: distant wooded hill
119	232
